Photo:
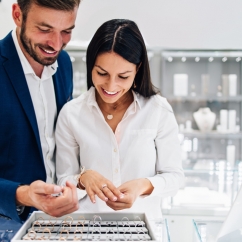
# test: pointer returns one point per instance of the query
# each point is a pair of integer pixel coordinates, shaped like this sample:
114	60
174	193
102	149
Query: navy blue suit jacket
21	159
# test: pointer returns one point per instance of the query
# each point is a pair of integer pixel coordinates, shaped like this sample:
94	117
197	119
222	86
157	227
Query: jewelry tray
90	227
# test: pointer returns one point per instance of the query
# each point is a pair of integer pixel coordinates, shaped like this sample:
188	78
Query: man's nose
56	41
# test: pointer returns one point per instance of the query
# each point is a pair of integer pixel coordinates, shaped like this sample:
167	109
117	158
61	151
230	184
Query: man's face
45	33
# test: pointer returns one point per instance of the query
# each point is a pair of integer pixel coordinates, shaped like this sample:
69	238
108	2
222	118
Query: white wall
215	24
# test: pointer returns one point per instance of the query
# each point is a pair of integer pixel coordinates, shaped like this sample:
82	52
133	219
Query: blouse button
115	150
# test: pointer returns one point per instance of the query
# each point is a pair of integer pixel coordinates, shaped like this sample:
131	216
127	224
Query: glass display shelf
205	231
212	134
202	53
200	98
208	184
208	231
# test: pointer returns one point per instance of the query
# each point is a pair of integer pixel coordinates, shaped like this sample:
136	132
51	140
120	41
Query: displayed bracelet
80	185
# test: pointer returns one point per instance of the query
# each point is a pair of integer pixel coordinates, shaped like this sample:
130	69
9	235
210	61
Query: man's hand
96	184
38	195
131	190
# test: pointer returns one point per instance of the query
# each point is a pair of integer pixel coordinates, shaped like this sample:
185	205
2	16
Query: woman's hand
131	190
96	184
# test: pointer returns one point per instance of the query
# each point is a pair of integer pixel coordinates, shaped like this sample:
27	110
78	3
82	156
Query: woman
120	130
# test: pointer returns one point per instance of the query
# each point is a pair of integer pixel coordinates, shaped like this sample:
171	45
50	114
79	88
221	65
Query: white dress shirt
43	97
144	145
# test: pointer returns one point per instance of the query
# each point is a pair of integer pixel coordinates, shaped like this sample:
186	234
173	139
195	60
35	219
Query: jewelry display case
205	230
204	90
93	227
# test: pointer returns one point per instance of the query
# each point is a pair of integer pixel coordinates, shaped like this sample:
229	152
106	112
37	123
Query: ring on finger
103	186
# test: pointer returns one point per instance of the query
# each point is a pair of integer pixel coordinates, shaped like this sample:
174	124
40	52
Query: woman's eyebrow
106	71
100	68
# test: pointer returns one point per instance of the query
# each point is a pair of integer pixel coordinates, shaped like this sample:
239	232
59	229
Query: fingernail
57	189
115	199
121	195
93	201
106	199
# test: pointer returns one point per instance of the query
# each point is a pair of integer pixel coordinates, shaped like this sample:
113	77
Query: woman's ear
138	66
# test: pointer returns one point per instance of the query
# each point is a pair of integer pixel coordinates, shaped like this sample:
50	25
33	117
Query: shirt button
115	150
116	170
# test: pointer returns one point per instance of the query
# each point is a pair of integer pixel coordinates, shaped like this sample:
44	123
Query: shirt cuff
158	183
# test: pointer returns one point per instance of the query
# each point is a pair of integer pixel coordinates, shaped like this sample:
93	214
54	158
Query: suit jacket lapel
14	69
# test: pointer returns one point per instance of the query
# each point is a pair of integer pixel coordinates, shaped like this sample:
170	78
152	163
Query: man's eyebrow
106	71
49	26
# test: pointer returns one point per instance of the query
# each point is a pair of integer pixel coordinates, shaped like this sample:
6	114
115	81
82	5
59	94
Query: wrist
80	185
146	186
22	195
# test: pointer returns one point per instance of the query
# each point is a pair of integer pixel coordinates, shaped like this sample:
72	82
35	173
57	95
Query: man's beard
26	42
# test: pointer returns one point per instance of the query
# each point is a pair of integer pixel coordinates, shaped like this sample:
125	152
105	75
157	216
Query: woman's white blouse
144	145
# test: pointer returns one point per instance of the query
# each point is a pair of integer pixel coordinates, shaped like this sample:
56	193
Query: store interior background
174	25
170	24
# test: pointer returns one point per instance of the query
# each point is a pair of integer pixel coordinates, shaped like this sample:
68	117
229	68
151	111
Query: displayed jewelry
80	229
34	226
193	90
139	222
43	236
110	234
66	222
125	223
205	119
30	235
219	91
61	236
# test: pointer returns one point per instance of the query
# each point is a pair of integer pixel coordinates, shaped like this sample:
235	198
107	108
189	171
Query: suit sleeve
8	199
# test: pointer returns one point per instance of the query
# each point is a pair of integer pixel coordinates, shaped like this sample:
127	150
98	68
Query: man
35	82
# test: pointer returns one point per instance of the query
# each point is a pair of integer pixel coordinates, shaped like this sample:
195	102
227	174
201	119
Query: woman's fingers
109	194
96	184
115	191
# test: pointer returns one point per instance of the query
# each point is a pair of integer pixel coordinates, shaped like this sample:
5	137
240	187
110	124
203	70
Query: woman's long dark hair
123	37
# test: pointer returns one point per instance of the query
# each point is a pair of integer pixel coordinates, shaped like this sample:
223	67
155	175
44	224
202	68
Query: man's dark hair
123	37
64	5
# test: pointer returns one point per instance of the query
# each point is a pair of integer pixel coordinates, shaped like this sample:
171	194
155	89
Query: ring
104	185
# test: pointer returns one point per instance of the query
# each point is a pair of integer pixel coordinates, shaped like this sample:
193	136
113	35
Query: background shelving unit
208	173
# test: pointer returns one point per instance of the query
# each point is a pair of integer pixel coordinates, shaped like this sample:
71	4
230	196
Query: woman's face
112	76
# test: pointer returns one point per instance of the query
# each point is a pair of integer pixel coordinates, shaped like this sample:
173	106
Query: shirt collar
27	68
91	101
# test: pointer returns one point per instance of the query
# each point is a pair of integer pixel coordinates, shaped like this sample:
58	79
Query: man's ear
17	15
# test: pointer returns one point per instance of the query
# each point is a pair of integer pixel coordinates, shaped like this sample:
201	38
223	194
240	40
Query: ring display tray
92	227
